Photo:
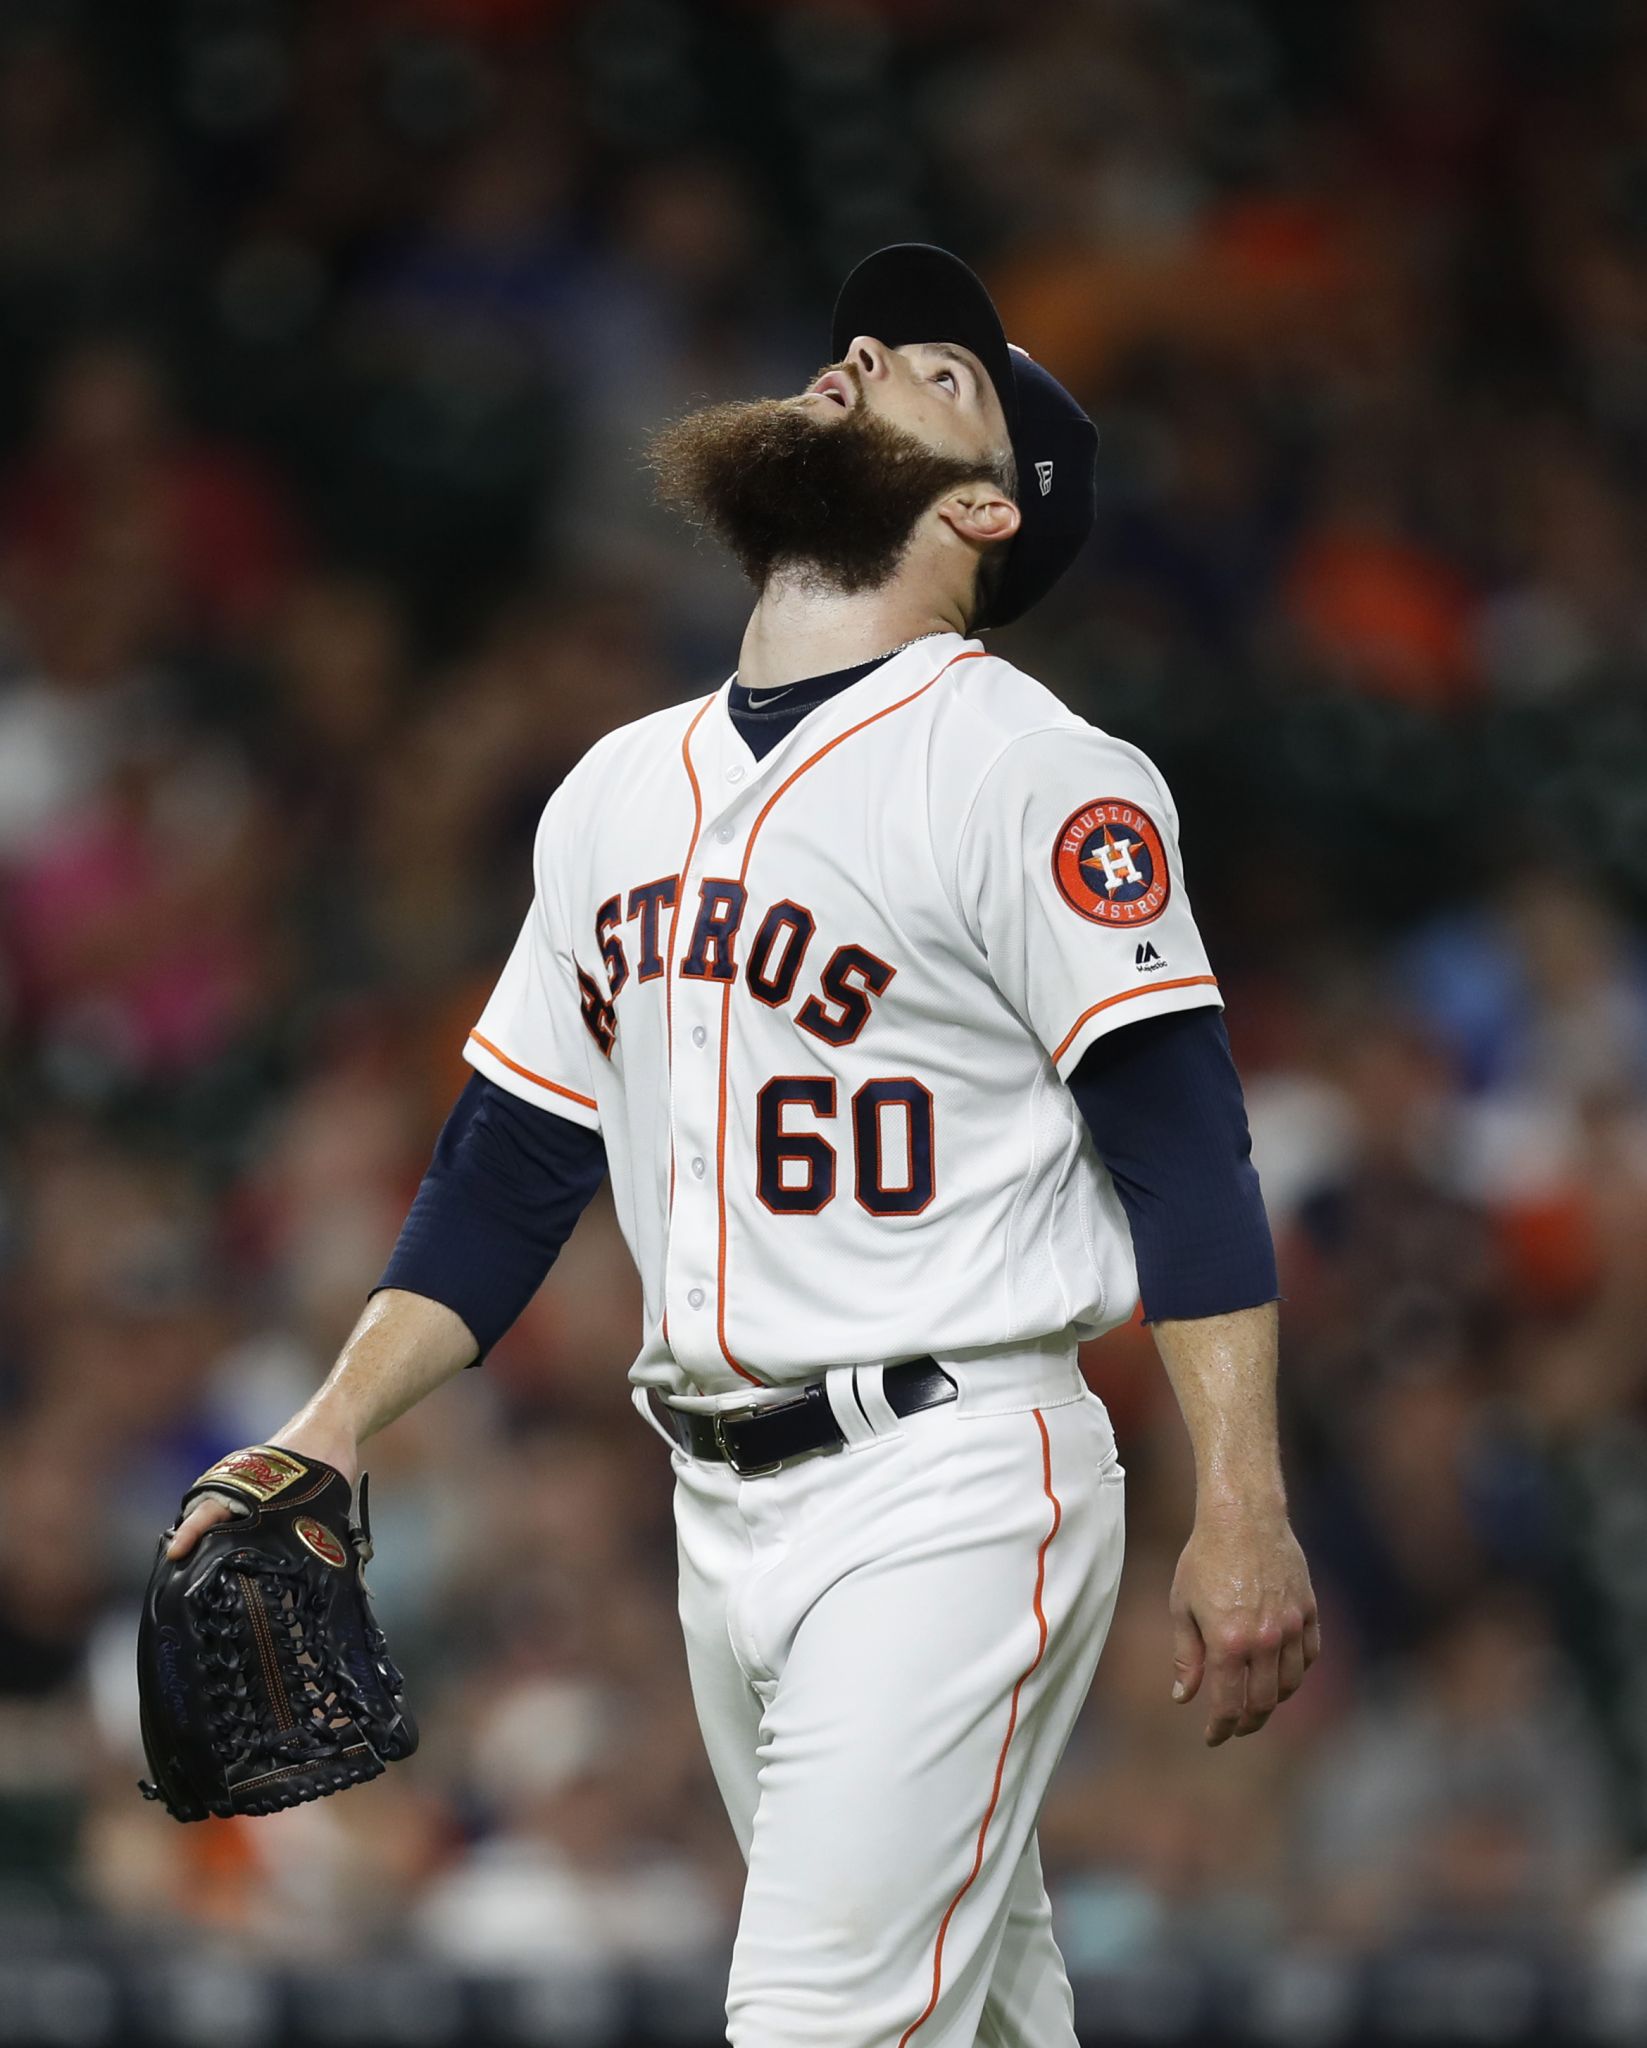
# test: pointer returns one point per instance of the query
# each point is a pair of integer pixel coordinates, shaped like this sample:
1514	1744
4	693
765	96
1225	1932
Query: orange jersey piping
1012	1724
537	1080
669	968
1126	996
675	916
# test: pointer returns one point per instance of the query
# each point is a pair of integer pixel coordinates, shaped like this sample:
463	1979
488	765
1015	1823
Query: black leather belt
756	1439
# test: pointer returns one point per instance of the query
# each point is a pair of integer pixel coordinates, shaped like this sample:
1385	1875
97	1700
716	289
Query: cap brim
915	292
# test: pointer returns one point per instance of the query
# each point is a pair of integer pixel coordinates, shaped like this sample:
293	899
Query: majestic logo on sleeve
1110	865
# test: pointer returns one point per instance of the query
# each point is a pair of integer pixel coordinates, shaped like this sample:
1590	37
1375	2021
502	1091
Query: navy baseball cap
914	292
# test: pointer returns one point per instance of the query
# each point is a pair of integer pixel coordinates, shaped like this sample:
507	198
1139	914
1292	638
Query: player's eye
949	377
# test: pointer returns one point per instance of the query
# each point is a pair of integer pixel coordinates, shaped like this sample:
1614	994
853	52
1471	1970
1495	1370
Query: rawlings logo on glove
263	1677
260	1472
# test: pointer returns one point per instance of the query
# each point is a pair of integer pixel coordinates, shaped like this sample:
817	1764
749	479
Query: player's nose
871	358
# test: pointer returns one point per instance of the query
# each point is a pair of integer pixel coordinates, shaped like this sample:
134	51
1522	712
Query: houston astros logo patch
317	1537
1110	865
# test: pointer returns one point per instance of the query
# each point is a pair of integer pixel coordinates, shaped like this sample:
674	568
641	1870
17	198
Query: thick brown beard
834	501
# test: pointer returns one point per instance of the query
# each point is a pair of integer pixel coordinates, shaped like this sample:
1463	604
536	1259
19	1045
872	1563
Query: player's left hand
1244	1618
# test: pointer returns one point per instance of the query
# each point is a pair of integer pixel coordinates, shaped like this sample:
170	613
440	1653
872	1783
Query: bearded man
871	979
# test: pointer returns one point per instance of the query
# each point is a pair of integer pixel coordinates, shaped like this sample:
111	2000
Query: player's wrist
1258	1499
328	1437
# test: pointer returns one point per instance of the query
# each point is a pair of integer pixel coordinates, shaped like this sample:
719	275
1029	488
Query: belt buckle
742	1413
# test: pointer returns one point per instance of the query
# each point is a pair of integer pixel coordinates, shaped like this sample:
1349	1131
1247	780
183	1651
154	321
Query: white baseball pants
888	1649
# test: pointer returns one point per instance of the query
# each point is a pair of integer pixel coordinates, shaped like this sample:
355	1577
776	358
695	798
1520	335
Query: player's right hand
331	1448
205	1514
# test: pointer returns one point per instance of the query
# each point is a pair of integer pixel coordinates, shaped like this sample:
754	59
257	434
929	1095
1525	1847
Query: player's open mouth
837	387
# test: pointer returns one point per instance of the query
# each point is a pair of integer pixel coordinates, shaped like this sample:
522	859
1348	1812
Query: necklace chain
936	633
875	661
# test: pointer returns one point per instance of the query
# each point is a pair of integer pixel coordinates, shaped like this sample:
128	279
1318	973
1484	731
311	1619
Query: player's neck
798	630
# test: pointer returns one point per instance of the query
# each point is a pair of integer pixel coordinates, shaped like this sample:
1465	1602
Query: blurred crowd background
331	335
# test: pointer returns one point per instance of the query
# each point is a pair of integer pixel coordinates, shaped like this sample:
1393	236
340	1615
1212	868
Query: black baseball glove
263	1677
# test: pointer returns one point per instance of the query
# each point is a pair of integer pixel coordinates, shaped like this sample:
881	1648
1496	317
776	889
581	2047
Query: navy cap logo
1043	476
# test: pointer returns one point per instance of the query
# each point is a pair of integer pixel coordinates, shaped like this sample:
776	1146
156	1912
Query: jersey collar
909	669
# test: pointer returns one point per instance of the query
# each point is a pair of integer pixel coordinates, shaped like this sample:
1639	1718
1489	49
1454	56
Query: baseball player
872	981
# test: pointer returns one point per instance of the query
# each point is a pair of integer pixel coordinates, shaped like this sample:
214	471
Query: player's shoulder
614	759
659	735
999	718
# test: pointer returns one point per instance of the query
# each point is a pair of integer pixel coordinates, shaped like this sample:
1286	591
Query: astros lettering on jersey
819	1005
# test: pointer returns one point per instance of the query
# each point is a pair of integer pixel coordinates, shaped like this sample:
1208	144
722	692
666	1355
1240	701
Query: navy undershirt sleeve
1163	1102
507	1183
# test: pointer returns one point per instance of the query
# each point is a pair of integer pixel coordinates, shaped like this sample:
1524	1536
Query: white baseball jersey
822	1007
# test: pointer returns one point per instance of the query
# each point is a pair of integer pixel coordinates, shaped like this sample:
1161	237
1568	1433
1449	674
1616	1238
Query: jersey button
695	1298
698	1168
699	1035
724	835
734	773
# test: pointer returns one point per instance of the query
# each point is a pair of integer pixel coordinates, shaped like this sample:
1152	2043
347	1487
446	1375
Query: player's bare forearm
1243	1610
1222	1369
403	1347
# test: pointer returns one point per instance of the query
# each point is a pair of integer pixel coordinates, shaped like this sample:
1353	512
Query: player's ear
980	513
